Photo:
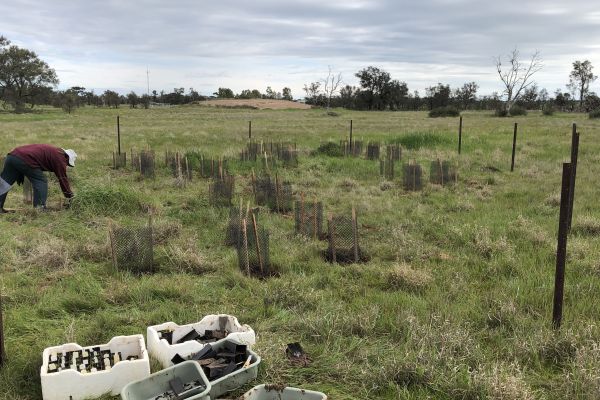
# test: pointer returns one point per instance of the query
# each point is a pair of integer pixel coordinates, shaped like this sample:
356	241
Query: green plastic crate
268	392
237	378
158	383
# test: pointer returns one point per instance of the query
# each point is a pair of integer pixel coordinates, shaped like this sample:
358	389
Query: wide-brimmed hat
72	156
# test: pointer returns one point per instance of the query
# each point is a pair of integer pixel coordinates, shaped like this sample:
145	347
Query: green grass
455	302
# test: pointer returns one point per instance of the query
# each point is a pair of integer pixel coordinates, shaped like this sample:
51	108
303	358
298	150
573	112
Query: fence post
118	135
561	247
574	156
355	235
249	129
351	137
514	147
459	134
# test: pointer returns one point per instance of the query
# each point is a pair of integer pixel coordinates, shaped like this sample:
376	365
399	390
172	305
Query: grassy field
455	302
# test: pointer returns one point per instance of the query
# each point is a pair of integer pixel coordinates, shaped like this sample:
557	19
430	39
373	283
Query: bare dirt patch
259	104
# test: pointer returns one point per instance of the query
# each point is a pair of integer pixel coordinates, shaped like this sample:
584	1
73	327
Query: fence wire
132	248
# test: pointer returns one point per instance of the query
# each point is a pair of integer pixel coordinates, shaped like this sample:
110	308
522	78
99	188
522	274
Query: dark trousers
15	170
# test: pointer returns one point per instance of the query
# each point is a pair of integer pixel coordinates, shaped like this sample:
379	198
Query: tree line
26	80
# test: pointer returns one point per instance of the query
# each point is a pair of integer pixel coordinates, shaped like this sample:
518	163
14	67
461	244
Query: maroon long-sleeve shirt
46	158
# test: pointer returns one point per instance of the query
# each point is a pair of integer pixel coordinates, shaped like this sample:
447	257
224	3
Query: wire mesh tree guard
412	179
221	190
343	239
386	168
309	218
119	160
393	151
132	247
443	173
373	150
253	248
147	166
273	193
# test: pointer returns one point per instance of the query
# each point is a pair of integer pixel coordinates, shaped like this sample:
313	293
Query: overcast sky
108	44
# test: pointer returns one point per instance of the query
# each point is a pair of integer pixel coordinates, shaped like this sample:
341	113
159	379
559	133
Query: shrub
414	141
516	110
595	114
501	112
447	111
330	149
548	109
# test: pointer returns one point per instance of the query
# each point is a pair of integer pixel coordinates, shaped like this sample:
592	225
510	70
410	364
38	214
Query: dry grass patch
404	277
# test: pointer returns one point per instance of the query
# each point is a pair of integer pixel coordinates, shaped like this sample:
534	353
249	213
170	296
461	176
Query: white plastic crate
271	392
164	352
71	384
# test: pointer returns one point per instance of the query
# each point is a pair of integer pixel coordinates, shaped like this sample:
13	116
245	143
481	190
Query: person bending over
30	161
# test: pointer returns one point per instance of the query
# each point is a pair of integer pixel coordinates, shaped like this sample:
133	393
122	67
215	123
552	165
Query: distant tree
145	101
374	83
154	95
22	75
466	95
517	76
287	94
348	95
269	93
562	100
397	94
592	102
111	98
195	96
331	85
68	100
313	91
438	96
256	94
580	78
530	97
224	93
133	99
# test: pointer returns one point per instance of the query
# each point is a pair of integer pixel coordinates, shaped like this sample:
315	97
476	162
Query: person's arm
60	170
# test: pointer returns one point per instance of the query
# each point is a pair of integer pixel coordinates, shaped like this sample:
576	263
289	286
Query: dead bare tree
517	76
331	85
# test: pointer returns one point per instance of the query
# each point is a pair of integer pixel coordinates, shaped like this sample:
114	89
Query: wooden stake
315	234
260	263
561	247
574	156
245	245
355	235
331	229
118	135
514	147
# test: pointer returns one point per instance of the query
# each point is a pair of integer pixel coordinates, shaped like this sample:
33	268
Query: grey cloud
350	32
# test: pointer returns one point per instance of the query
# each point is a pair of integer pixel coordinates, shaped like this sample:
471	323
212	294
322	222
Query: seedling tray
237	378
159	347
157	385
74	384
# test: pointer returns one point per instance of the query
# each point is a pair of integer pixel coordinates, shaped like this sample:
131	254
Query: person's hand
69	201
